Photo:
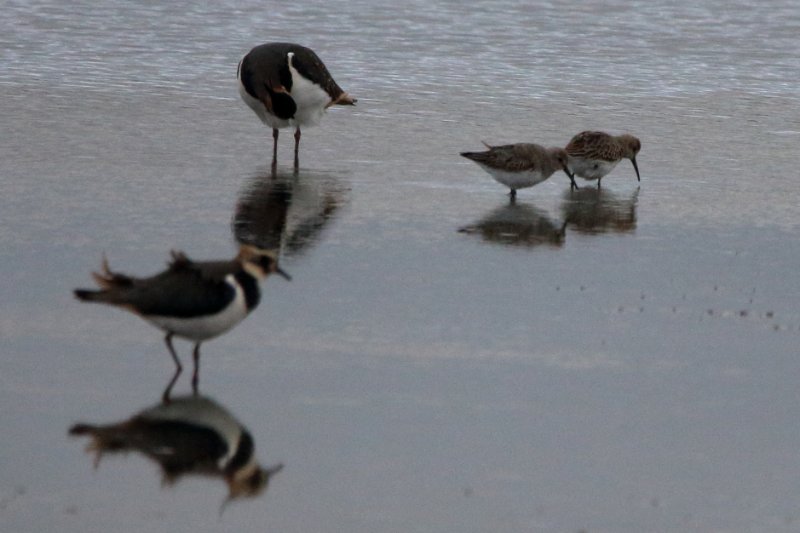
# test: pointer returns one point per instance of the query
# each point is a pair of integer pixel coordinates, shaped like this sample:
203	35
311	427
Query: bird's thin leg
598	182
513	194
297	147
196	374
274	147
178	368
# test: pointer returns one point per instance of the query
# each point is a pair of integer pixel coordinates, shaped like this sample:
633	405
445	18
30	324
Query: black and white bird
288	85
189	435
195	300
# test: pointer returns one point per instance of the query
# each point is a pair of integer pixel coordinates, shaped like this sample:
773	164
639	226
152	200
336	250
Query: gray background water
636	371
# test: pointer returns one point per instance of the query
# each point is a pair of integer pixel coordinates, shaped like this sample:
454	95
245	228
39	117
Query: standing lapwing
520	165
593	154
287	85
191	299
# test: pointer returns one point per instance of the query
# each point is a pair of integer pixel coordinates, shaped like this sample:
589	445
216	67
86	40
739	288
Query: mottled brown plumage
593	154
520	165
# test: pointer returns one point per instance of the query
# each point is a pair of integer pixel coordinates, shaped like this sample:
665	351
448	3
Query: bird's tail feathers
344	99
107	280
474	156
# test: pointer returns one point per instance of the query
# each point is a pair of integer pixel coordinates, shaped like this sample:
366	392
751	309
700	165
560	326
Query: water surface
621	360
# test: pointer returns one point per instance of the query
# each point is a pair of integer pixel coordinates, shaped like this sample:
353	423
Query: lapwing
190	435
521	165
194	300
593	154
288	85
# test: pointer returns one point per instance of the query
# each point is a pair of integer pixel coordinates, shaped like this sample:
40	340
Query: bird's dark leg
178	368
196	373
513	195
297	147
598	182
274	148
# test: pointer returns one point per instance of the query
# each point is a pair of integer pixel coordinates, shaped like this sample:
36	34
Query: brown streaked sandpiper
593	154
521	165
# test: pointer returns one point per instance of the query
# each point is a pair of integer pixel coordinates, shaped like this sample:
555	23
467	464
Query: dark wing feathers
185	289
510	157
266	77
311	67
595	145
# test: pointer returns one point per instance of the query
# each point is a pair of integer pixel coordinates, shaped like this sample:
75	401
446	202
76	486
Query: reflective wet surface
443	360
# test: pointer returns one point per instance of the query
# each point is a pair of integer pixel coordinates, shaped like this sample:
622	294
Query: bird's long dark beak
282	273
571	178
636	168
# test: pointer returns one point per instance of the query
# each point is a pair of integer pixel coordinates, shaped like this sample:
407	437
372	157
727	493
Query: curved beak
573	185
636	168
282	273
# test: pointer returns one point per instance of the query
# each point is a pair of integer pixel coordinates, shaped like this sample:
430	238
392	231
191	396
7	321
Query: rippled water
613	360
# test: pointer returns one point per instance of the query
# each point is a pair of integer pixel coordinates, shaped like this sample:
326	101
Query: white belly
201	411
311	101
260	109
516	180
590	169
206	327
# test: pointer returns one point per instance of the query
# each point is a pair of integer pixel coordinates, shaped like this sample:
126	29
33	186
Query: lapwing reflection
190	435
286	215
590	210
517	224
195	300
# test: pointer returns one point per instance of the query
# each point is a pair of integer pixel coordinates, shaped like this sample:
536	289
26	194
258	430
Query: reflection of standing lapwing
193	300
521	165
287	85
593	154
189	435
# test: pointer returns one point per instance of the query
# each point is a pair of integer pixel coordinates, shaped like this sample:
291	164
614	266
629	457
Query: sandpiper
288	85
521	165
193	300
593	154
189	435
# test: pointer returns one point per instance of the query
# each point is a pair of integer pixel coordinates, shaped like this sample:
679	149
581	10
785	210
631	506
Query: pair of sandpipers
287	85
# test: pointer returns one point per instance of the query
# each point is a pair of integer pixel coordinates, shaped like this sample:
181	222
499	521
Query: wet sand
621	360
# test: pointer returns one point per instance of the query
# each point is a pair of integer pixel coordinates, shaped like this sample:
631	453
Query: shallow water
621	360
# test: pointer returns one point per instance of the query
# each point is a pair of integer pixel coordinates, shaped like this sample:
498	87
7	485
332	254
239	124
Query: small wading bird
287	85
593	154
521	165
195	300
191	435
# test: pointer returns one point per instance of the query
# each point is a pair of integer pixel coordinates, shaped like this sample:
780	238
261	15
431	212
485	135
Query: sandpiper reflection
517	224
286	214
591	210
189	435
